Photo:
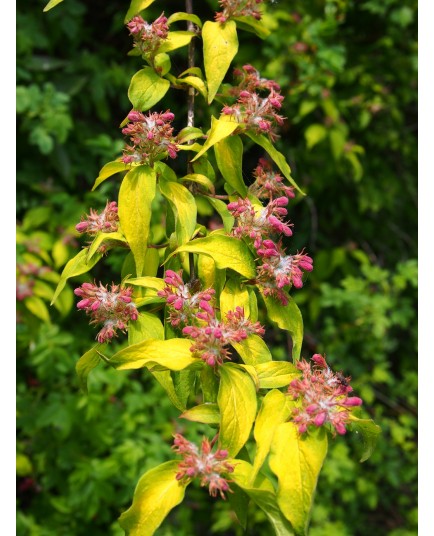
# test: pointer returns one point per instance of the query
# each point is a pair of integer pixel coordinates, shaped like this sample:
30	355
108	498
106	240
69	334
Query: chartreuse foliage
242	393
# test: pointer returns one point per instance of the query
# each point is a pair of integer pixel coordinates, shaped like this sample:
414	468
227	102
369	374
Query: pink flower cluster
106	222
26	278
202	463
151	137
238	8
276	270
148	37
113	308
211	336
324	396
268	184
259	223
258	113
184	299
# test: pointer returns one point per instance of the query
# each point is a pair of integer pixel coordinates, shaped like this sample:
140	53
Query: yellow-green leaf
176	40
104	237
220	129
232	296
368	432
165	379
199	179
108	170
135	7
253	350
252	25
147	326
275	409
184	209
86	364
196	82
237	402
276	156
296	459
157	492
146	89
226	251
220	45
204	413
263	495
222	209
314	134
287	317
172	354
136	194
148	282
229	157
60	253
76	266
184	16
51	4
276	374
38	308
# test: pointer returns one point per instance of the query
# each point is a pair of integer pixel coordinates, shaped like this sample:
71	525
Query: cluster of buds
185	300
192	310
213	336
256	112
324	396
106	222
148	37
259	224
151	137
238	8
268	184
202	463
113	308
279	270
26	278
275	270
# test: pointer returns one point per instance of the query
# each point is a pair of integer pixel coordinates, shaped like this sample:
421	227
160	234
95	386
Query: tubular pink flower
323	395
238	8
151	136
258	224
183	303
148	37
202	463
254	110
113	308
106	222
267	183
212	336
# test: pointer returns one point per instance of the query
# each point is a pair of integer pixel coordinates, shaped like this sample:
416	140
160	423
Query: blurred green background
348	71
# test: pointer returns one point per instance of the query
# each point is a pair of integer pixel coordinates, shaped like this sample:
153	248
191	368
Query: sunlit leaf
237	402
229	157
87	363
157	492
108	170
296	459
204	413
184	209
275	374
275	409
147	88
135	7
226	251
136	194
78	265
173	354
287	317
220	129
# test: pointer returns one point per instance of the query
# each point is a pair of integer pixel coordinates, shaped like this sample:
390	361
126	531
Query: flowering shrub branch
191	305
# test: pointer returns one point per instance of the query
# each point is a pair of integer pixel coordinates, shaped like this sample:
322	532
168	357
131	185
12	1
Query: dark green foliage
348	73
